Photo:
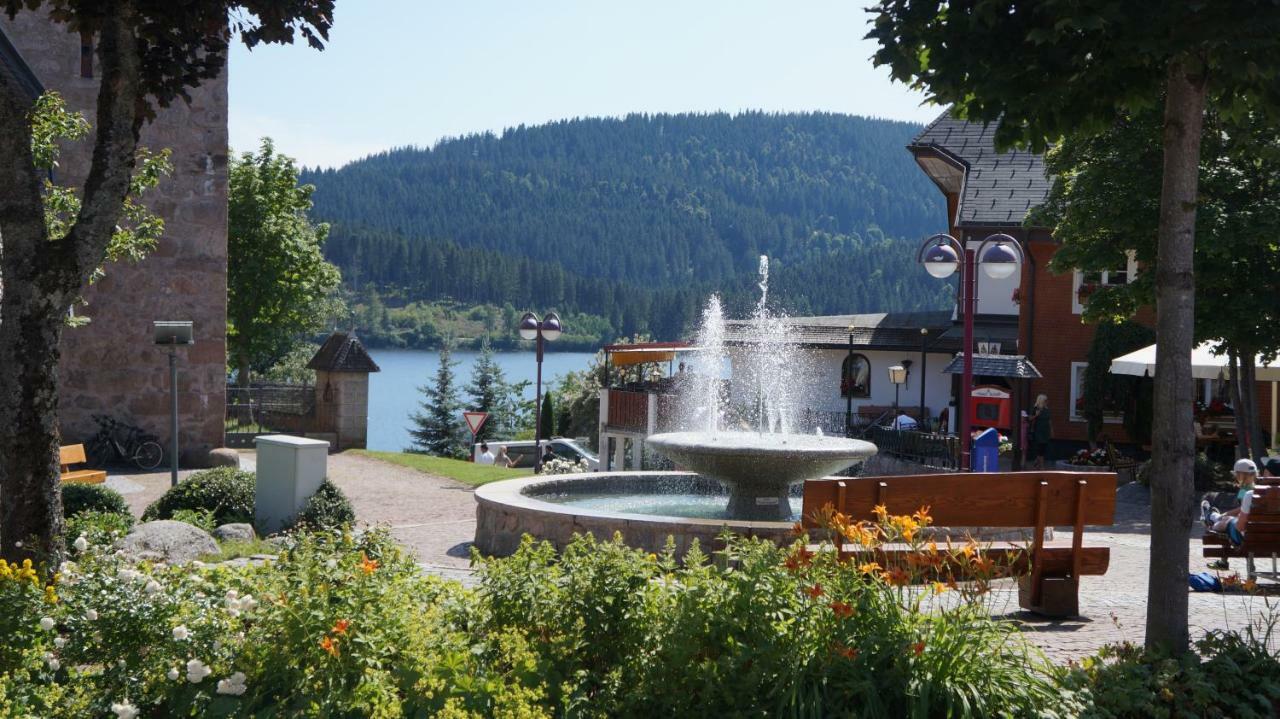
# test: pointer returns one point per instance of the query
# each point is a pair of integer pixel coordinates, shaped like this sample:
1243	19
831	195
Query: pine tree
488	392
547	421
436	429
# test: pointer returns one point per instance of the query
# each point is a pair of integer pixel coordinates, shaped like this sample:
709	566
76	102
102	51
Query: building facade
110	365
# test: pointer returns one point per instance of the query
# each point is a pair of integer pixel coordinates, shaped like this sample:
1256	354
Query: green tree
547	417
436	429
1051	68
280	289
149	53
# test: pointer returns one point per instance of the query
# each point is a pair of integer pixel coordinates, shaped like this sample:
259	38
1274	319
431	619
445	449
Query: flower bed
348	626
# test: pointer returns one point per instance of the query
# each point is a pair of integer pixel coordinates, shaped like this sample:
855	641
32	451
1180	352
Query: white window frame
1077	391
1077	279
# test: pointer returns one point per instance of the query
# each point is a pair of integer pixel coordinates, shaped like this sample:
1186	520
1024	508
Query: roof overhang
946	170
988	365
12	64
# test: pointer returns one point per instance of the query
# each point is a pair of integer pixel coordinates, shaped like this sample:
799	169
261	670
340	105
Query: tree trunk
1249	396
42	278
1236	372
1173	437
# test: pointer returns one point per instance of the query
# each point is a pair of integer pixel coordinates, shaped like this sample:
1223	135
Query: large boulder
169	541
235	531
224	457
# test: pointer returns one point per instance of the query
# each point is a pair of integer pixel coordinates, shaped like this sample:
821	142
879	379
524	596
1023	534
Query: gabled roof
884	331
995	188
1014	366
343	352
12	64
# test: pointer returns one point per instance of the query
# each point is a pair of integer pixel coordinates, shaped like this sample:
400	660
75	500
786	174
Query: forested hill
637	219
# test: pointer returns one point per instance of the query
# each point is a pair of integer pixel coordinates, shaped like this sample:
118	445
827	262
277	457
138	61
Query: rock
236	531
224	457
168	540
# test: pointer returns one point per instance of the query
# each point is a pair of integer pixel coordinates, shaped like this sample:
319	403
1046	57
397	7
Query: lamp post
171	334
846	383
547	329
924	347
898	376
999	255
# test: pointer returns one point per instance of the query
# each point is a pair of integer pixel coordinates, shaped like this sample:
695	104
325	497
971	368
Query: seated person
905	421
1234	521
1270	469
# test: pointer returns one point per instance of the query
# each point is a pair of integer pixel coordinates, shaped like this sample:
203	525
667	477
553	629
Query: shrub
1209	475
328	508
227	492
98	527
77	498
202	518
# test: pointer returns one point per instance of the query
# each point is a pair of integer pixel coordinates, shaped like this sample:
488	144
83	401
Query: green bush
1209	475
227	492
98	528
328	508
77	498
202	518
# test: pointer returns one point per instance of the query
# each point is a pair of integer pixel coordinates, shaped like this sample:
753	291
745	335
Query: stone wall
110	365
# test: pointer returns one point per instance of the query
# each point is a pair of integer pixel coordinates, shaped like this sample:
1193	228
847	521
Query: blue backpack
1205	582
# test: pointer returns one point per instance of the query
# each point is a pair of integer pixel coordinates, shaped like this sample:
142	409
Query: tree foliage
280	288
436	429
636	220
489	391
1105	392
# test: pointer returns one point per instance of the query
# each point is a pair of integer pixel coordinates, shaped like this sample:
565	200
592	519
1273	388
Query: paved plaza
434	517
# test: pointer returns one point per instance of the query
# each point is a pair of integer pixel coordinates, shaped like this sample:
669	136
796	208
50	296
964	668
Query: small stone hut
342	368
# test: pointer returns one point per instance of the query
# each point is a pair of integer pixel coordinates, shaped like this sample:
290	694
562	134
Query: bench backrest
71	454
1264	516
997	499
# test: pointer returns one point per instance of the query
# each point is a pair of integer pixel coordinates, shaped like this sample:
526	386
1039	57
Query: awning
1204	364
1011	366
645	352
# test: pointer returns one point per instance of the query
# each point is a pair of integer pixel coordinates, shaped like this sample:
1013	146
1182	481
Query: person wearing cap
1234	521
1270	467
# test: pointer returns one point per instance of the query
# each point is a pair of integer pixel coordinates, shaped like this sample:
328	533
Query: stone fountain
757	467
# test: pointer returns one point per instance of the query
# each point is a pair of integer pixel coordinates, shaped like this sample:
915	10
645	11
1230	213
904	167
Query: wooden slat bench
1261	532
74	454
1009	500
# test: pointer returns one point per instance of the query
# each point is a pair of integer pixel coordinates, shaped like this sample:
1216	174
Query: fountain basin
554	508
758	469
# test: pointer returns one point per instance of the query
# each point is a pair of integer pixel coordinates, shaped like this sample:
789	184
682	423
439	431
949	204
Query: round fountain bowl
644	507
758	469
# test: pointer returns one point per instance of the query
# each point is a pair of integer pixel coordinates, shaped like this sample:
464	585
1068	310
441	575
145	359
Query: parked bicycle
117	442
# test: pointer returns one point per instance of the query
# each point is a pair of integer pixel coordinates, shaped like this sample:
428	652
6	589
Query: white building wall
819	386
995	297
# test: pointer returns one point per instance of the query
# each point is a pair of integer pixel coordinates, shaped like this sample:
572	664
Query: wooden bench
1010	500
1261	532
74	454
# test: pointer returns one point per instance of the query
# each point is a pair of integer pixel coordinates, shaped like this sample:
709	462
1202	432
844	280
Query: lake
394	395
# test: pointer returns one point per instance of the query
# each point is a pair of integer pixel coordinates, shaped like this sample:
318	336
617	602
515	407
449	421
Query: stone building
110	366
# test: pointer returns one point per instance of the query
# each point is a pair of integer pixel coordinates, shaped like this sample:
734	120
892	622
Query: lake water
394	395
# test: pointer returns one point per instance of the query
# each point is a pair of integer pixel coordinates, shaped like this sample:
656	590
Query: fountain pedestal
758	469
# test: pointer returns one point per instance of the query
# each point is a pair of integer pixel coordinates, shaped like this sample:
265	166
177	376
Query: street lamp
846	383
171	334
547	329
999	255
898	376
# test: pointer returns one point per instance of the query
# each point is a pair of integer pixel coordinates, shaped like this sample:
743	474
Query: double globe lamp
548	329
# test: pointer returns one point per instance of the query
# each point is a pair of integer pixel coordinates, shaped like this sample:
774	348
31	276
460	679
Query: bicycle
120	442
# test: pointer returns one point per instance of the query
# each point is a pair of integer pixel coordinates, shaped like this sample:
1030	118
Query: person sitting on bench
1234	521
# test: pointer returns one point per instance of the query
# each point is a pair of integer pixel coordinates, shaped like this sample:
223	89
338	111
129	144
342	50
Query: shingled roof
343	352
1014	366
12	64
885	331
995	188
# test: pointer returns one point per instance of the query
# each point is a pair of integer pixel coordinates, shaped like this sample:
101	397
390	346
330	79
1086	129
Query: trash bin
986	451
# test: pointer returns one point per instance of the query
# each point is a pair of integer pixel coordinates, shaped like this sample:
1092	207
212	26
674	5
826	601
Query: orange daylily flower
841	610
897	576
918	648
922	516
329	644
799	558
880	511
815	591
340	626
368	566
939	587
797	529
869	568
846	652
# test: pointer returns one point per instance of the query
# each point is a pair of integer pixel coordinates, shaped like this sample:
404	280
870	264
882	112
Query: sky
411	72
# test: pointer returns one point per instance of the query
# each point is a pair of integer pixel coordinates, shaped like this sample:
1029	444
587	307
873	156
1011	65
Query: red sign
475	420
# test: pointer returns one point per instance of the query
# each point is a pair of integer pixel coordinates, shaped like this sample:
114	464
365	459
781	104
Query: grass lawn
465	472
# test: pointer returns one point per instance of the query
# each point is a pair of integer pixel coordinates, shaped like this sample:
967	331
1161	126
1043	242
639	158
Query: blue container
986	451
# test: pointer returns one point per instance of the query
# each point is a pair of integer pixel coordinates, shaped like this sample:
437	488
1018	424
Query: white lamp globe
999	261
941	261
529	326
551	328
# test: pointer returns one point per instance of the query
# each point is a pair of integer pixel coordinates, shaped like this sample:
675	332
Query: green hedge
328	508
77	498
227	492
